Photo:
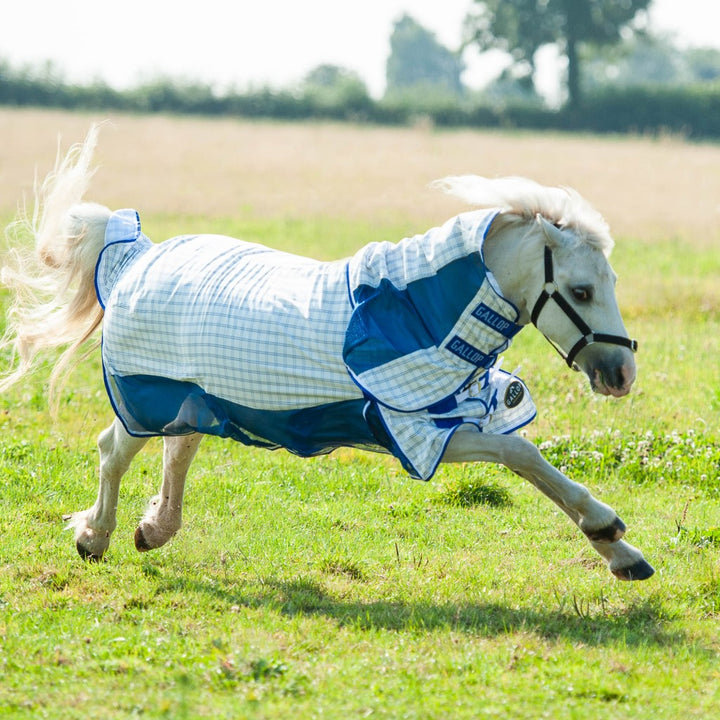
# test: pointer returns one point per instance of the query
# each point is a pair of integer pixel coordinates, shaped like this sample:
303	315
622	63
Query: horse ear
553	234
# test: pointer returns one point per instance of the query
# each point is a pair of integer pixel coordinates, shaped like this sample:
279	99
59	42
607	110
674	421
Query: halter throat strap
551	292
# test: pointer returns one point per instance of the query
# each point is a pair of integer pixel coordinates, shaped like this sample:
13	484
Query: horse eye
582	294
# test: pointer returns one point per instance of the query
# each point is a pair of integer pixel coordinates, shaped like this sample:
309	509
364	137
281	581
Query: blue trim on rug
149	405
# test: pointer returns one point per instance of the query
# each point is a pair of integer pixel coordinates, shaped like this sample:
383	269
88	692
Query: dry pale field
647	188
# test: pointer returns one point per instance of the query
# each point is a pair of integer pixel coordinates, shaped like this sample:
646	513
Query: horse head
548	250
576	309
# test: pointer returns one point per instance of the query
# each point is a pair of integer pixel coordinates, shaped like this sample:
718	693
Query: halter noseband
551	292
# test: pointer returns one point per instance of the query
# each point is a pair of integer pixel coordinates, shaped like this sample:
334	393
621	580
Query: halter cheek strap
551	292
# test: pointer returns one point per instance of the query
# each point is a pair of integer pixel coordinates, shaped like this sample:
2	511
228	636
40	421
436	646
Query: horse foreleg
598	521
94	526
163	518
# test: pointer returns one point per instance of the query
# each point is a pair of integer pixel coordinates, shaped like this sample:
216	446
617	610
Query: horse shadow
641	624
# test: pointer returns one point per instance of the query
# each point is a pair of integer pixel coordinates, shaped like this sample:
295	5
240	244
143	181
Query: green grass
338	587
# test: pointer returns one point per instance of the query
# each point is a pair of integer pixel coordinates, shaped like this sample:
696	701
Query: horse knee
117	449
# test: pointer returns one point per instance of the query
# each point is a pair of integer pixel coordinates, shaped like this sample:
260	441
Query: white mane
525	198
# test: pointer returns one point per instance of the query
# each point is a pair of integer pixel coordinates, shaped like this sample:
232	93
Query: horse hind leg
94	526
163	517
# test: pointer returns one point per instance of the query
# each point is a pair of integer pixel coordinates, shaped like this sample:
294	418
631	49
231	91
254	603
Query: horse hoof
86	554
641	570
608	534
141	544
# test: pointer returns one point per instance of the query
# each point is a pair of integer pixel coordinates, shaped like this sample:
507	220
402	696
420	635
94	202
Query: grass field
338	587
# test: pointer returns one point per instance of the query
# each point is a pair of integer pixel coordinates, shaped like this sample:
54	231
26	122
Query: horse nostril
619	377
624	377
616	376
607	377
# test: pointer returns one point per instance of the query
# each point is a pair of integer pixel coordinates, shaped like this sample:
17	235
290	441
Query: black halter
551	292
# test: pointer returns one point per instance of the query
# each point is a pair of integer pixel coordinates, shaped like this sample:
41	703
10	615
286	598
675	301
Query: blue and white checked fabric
124	243
212	334
497	403
427	315
247	324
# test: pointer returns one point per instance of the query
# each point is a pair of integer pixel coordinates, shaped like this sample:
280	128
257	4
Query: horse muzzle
610	370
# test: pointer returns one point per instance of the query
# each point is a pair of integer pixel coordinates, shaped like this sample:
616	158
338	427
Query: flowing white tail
54	302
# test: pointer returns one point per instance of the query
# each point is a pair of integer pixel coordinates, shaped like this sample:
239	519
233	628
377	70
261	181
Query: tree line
619	79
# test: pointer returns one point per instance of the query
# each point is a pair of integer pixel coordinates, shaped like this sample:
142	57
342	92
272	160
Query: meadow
338	586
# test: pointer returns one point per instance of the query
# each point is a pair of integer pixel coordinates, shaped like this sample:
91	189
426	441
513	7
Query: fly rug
393	350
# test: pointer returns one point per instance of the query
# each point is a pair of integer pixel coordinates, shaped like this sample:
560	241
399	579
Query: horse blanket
390	350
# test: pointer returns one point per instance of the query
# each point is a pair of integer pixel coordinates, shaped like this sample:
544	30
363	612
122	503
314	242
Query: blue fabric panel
150	405
388	322
441	298
448	422
384	326
444	406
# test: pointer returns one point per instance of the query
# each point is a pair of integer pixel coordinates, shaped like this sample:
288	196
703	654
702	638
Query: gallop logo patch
514	394
494	320
467	352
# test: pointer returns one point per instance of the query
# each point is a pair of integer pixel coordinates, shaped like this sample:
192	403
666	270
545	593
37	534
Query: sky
242	44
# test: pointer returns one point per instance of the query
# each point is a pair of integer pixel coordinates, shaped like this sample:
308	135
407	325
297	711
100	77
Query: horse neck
513	253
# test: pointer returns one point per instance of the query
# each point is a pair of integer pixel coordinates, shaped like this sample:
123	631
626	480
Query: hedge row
692	111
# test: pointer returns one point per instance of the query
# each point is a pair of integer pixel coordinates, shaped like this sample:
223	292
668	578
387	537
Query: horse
395	349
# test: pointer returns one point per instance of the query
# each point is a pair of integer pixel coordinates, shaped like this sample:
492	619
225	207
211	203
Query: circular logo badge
514	394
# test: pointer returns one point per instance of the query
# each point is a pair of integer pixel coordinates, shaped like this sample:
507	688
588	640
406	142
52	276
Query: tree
521	27
649	60
418	61
337	88
703	63
509	89
328	76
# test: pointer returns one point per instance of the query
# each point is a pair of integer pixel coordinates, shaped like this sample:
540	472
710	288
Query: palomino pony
392	350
